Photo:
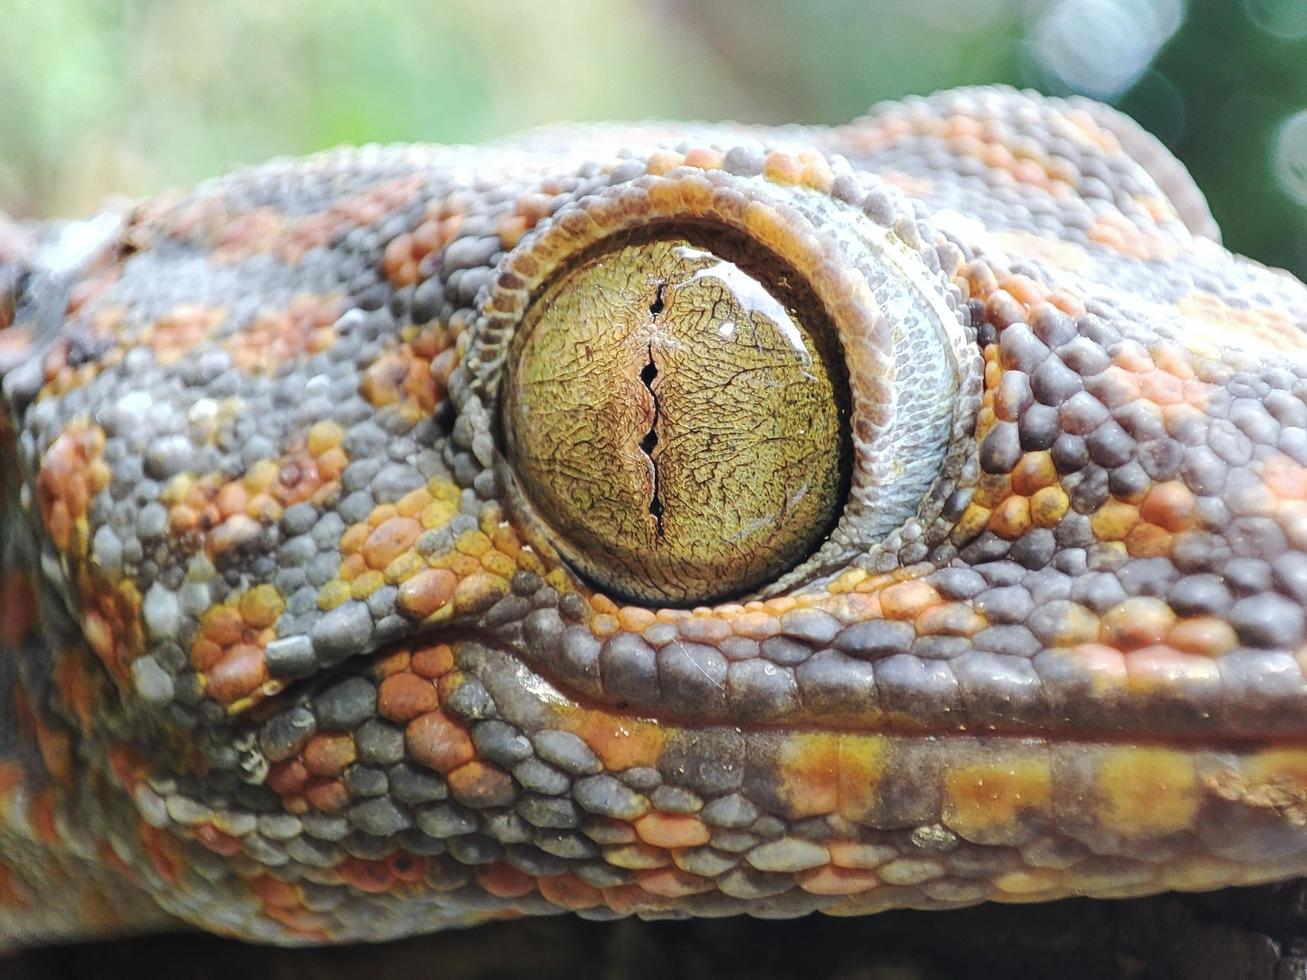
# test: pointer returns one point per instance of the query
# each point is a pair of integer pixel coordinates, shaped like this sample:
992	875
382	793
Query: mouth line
555	695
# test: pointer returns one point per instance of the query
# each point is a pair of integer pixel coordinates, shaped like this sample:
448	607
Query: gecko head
711	530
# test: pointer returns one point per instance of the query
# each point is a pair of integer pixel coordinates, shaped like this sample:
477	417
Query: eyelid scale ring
883	278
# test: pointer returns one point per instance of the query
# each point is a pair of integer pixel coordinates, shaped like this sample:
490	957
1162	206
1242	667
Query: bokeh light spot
1291	156
1285	19
1100	47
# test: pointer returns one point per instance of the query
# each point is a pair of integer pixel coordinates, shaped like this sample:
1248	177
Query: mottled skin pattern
286	654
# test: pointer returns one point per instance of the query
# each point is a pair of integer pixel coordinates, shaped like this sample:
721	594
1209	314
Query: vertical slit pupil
650	440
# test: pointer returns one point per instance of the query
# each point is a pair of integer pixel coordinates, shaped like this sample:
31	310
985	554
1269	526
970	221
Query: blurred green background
102	97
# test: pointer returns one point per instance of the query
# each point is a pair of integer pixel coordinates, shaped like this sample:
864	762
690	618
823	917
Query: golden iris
676	413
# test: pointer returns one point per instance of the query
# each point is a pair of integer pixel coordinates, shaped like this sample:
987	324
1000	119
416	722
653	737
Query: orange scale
161	851
433	662
1011	519
288	777
331	464
619	741
782	168
907	599
398	263
569	892
634	619
661	162
956	126
480	784
672	882
510	228
1069	303
1206	636
402	697
222	625
973	520
240	672
1161	388
352	540
388	540
1032	173
437	742
232	533
636	857
1174	360
261	606
669	195
1133	357
182	521
627	899
755	624
351	567
1106	665
1283	477
604	626
1168	505
831	879
505	881
205	654
369	877
216	841
274	892
413	503
704	158
1148	541
808	770
231	499
1139	621
950	619
327	797
1034	471
1048	506
672	830
701	627
407	867
328	755
300	922
1164	668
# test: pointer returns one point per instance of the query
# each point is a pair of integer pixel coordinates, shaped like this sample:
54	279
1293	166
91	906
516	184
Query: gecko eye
709	384
677	412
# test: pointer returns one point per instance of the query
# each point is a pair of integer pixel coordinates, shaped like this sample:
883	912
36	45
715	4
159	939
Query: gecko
658	519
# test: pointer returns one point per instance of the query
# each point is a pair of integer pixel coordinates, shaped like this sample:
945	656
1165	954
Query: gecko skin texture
315	625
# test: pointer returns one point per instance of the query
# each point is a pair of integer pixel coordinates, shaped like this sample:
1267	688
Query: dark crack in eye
677	411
